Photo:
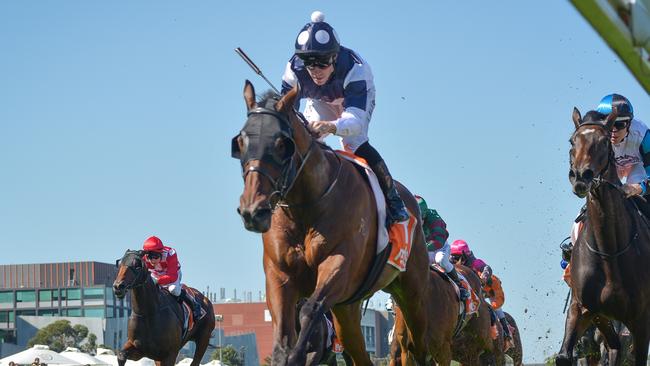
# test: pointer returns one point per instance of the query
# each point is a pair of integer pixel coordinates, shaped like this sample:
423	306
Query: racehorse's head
131	273
265	148
590	149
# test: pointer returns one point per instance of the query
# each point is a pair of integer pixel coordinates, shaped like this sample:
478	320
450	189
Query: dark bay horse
318	220
156	322
609	263
472	346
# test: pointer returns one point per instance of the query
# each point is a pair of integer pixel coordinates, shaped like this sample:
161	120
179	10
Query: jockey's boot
507	337
464	295
195	306
396	210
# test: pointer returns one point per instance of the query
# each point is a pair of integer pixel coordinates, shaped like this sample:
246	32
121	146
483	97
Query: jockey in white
631	143
340	96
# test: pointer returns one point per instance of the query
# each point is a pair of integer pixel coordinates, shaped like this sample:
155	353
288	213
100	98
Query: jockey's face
320	73
619	131
154	258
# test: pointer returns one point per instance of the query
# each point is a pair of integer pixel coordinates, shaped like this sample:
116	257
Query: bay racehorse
609	263
155	328
473	345
318	220
516	353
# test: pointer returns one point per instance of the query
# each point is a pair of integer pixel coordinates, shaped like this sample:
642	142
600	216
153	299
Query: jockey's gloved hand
632	189
323	127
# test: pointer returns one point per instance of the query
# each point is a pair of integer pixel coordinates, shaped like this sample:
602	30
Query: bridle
140	277
597	180
290	169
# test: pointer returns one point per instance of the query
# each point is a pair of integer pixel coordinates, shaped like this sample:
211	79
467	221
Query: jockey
631	143
435	235
567	248
491	284
340	96
165	271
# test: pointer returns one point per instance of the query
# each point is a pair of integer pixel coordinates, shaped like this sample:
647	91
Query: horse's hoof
562	360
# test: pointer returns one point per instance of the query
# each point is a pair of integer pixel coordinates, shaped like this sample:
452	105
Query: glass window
96	293
6	297
110	312
94	312
25	312
44	295
71	312
26	296
7	317
48	312
74	294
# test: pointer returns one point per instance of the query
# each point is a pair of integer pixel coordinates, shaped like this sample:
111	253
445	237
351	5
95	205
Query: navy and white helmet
317	39
623	106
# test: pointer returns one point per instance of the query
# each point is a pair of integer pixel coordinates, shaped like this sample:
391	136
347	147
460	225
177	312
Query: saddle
187	318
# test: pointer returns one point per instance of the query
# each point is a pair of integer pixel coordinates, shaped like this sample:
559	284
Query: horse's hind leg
346	321
202	341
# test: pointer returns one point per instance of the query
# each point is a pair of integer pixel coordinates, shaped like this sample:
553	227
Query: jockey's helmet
153	244
460	247
317	40
623	106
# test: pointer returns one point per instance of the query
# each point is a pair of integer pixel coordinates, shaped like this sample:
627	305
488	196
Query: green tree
91	344
60	335
231	356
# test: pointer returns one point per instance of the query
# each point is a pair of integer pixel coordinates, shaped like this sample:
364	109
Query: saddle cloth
401	233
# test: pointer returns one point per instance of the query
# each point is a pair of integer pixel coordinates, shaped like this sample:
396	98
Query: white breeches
175	287
441	257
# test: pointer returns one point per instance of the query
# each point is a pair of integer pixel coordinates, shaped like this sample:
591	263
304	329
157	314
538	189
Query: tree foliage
60	335
231	357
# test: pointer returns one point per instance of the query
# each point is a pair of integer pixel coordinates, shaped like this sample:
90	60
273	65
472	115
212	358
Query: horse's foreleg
129	350
611	338
640	338
202	341
576	323
281	300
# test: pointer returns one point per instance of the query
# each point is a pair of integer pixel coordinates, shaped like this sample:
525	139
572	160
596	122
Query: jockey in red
165	271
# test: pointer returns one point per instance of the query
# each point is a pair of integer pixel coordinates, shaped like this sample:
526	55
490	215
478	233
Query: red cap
153	244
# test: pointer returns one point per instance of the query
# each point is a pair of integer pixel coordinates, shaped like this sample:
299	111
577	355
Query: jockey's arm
171	275
289	81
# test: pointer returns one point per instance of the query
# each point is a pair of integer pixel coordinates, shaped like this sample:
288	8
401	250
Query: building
239	318
70	289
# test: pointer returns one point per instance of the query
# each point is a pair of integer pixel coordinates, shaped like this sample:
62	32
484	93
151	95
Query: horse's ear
577	119
611	118
249	95
288	100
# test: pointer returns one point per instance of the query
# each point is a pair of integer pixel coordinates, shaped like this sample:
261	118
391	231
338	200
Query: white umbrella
184	362
110	359
43	353
83	358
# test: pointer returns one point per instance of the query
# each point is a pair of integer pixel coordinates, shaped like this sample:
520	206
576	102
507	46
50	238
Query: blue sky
116	120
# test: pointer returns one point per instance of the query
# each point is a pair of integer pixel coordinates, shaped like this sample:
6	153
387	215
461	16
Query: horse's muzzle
581	181
119	289
580	189
257	220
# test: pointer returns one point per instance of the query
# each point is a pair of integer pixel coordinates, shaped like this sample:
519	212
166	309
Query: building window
94	312
45	295
71	312
96	293
6	317
6	297
25	312
26	296
73	294
48	312
110	312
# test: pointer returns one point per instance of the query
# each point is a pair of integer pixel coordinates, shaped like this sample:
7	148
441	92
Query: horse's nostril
572	174
588	175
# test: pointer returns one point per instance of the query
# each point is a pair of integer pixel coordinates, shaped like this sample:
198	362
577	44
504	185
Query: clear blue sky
116	119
